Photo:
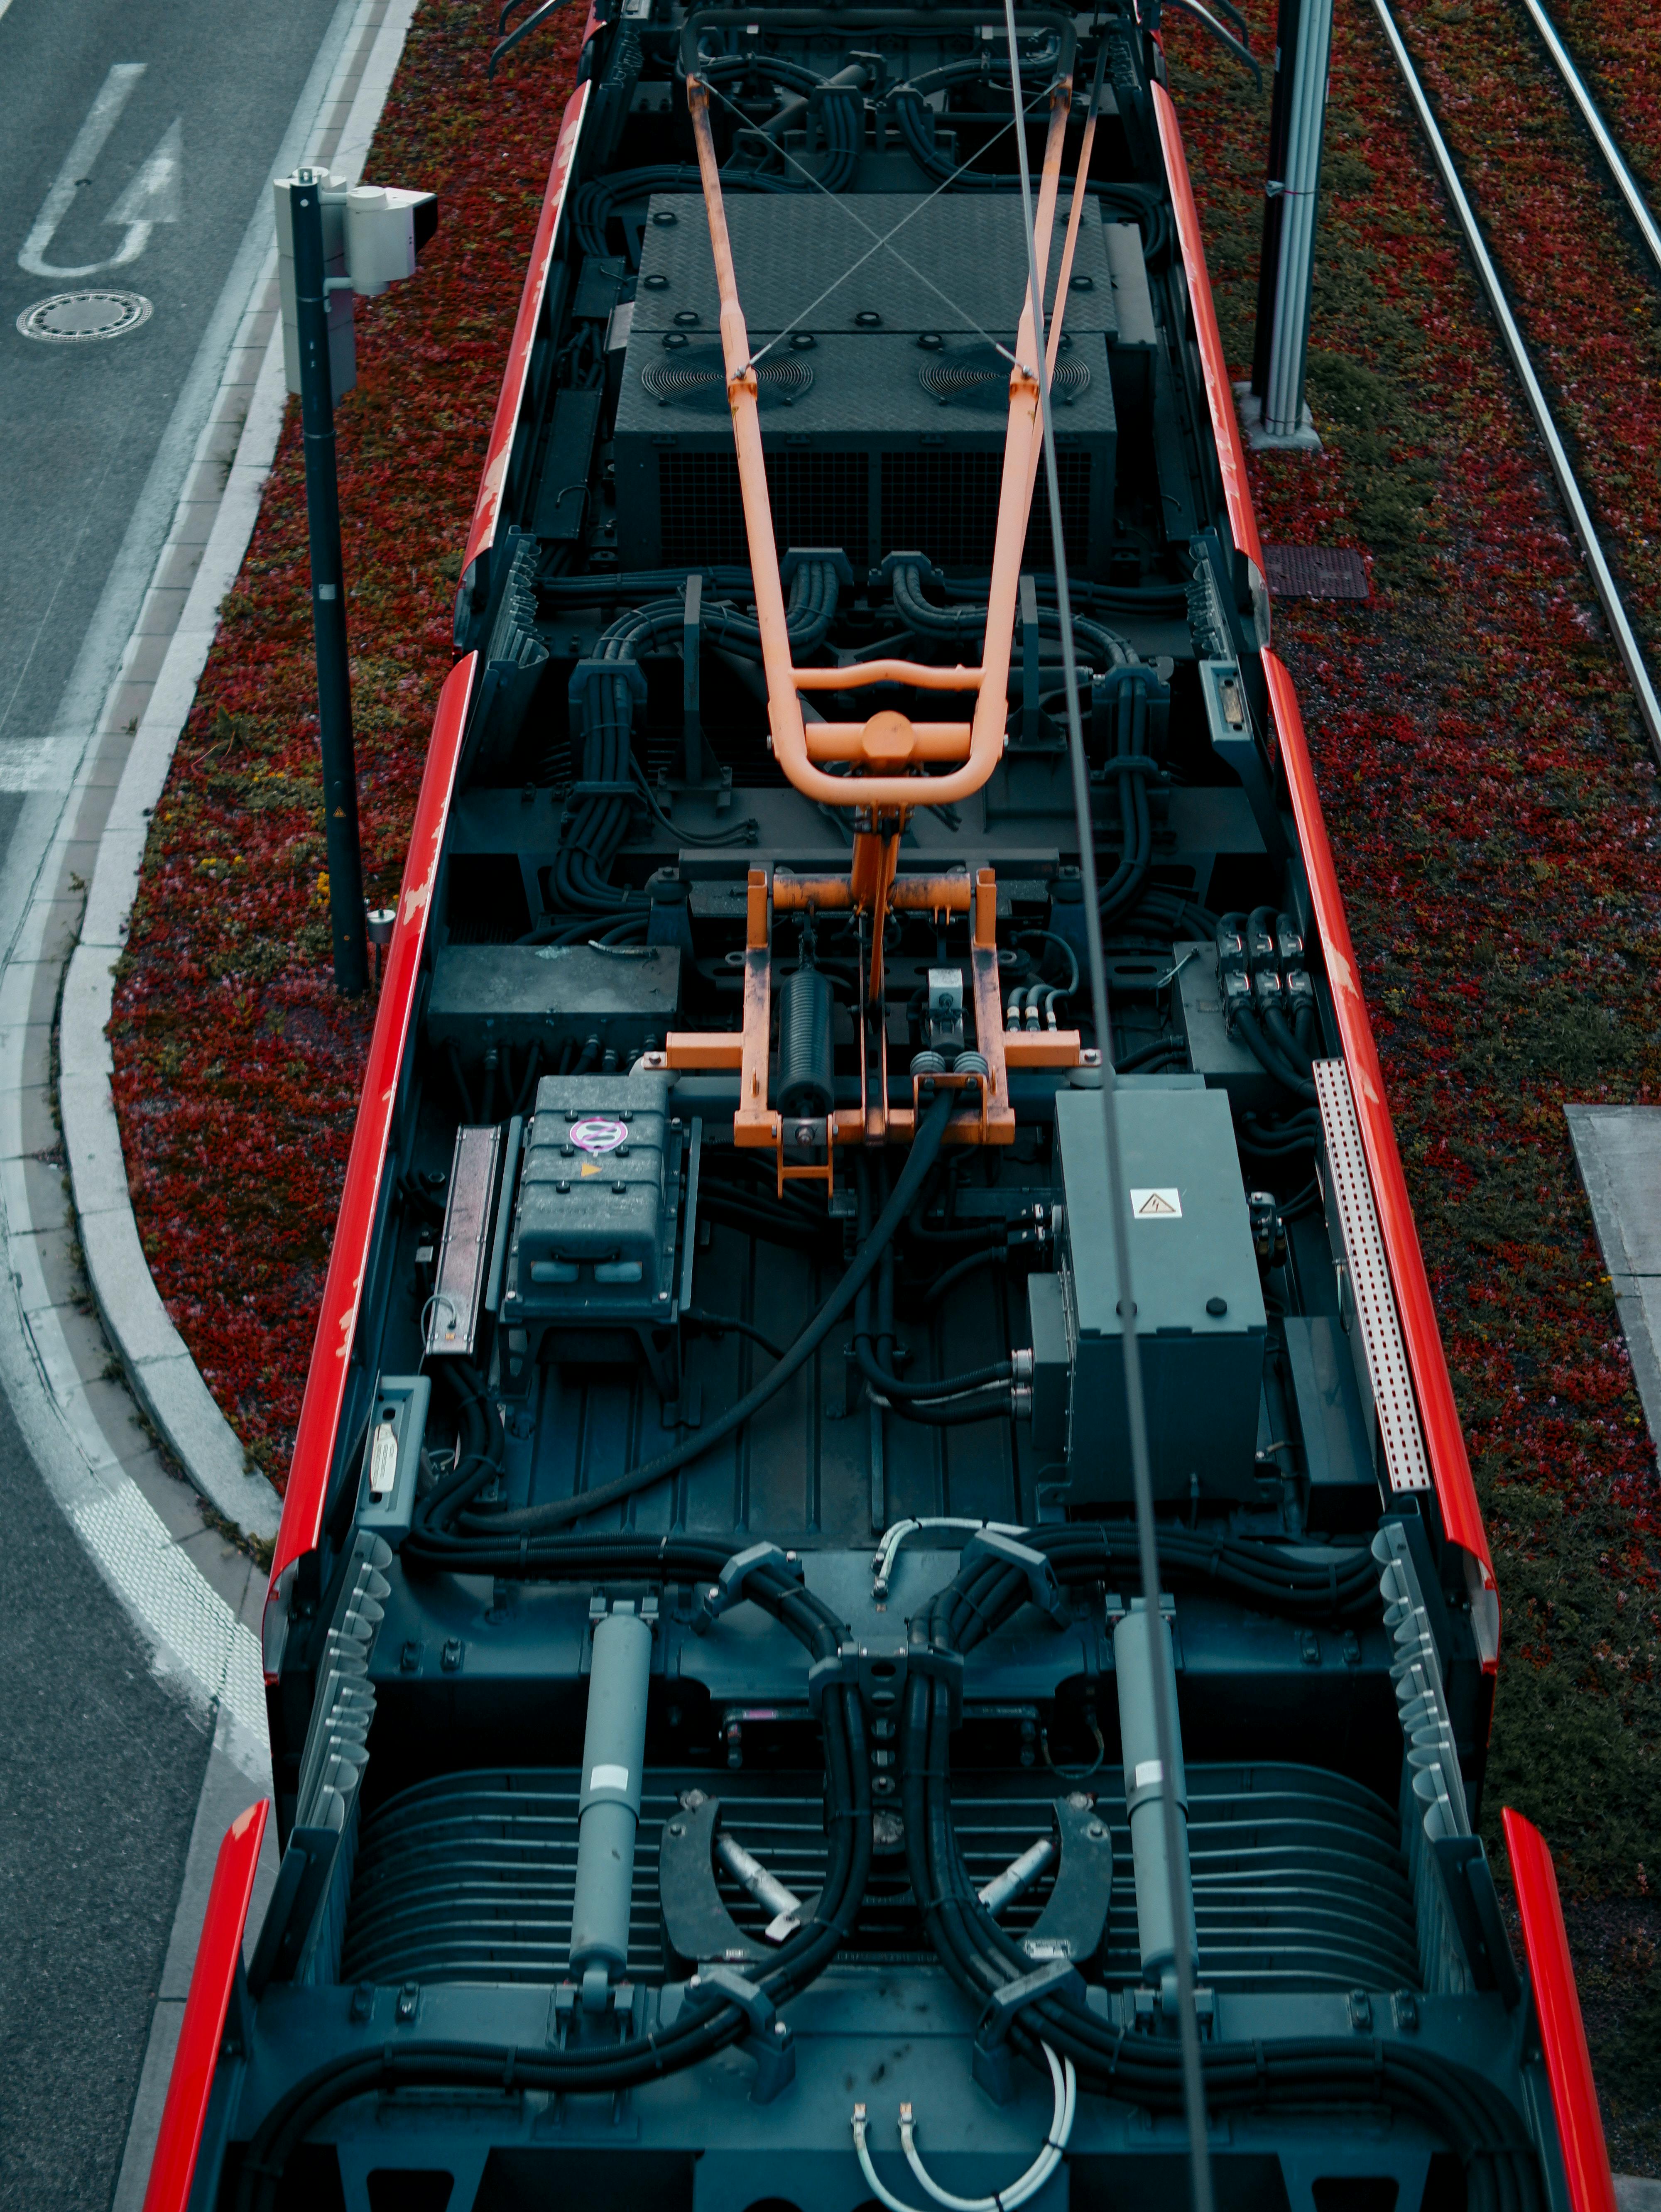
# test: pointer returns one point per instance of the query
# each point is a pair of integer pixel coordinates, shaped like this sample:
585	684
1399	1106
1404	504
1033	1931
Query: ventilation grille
941	504
700	380
1300	1881
945	505
818	499
982	379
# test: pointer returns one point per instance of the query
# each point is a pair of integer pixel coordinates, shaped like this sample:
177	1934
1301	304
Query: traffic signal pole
334	694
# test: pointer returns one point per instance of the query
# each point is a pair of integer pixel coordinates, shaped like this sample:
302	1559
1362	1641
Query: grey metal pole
334	693
1283	296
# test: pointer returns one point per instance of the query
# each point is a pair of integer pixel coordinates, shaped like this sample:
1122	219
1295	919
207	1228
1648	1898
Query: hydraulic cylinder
1165	1907
608	1812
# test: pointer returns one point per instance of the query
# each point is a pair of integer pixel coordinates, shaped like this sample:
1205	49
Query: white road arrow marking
102	117
153	197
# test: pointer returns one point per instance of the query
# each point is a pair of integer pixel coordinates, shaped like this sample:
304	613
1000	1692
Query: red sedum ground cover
237	1067
1495	815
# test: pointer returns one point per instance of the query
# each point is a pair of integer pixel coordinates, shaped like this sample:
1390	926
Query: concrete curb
164	1378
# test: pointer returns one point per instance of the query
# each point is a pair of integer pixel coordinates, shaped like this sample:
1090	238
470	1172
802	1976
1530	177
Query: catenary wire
1141	1473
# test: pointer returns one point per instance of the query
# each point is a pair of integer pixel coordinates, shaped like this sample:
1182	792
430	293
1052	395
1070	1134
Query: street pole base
1305	438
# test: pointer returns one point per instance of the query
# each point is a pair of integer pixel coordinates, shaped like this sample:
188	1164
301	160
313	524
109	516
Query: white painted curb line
164	1378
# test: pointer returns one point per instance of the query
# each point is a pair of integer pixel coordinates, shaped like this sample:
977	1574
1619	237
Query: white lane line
102	117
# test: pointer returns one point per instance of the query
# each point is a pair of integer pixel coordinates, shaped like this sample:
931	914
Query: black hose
1295	1054
996	1256
709	2023
559	1511
1461	2108
709	1324
1247	1029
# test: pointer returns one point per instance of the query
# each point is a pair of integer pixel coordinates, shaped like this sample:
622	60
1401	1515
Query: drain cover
1315	572
75	317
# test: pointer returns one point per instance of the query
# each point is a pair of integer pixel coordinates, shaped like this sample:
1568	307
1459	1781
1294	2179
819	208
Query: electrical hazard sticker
1156	1204
598	1134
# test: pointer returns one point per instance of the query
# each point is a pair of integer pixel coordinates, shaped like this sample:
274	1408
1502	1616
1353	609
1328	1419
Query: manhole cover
1315	572
76	317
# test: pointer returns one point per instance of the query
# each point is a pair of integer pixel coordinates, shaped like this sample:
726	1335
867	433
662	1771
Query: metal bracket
991	2064
1041	1585
696	1925
727	1588
1074	1918
303	1881
1473	1906
631	670
769	2041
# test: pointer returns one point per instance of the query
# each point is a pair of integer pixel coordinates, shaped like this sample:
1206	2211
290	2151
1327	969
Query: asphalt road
142	128
185	145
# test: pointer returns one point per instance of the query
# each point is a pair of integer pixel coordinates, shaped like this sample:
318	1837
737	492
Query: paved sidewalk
143	717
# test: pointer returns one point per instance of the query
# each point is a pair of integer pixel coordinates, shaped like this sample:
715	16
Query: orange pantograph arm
889	739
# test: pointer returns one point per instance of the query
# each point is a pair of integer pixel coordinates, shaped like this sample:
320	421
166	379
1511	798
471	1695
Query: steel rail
1580	514
1637	205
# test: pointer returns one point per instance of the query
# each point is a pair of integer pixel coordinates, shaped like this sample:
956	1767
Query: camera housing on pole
1273	410
333	241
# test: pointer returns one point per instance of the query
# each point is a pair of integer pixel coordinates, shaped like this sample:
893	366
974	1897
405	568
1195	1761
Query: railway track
1557	413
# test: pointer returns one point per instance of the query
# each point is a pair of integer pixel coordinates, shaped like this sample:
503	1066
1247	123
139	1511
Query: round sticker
598	1134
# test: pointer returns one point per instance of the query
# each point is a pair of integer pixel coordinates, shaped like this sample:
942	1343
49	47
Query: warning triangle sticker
1165	1205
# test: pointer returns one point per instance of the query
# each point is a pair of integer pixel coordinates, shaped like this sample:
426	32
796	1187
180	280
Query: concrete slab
1619	1151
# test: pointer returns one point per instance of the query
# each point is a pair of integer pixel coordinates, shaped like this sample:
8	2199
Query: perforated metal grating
1369	1276
945	505
818	499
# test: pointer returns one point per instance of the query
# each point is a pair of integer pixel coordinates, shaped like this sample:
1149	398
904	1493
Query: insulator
806	1086
928	1063
969	1063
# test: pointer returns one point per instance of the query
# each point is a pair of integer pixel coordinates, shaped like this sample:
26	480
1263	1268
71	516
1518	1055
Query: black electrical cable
484	1527
710	1324
1151	1055
996	1256
1472	2117
949	1403
707	2022
1258	1044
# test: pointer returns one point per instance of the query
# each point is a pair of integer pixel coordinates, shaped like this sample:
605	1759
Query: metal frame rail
1580	514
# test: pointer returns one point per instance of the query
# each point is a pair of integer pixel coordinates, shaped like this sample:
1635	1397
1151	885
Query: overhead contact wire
1141	1472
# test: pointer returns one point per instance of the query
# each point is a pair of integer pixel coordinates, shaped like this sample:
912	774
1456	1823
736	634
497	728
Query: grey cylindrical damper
608	1812
1142	1642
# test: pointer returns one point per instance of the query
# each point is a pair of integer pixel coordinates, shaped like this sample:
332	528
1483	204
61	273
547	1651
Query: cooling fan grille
981	379
699	379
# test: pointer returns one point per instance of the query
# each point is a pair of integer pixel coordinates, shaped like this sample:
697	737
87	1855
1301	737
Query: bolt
804	1132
